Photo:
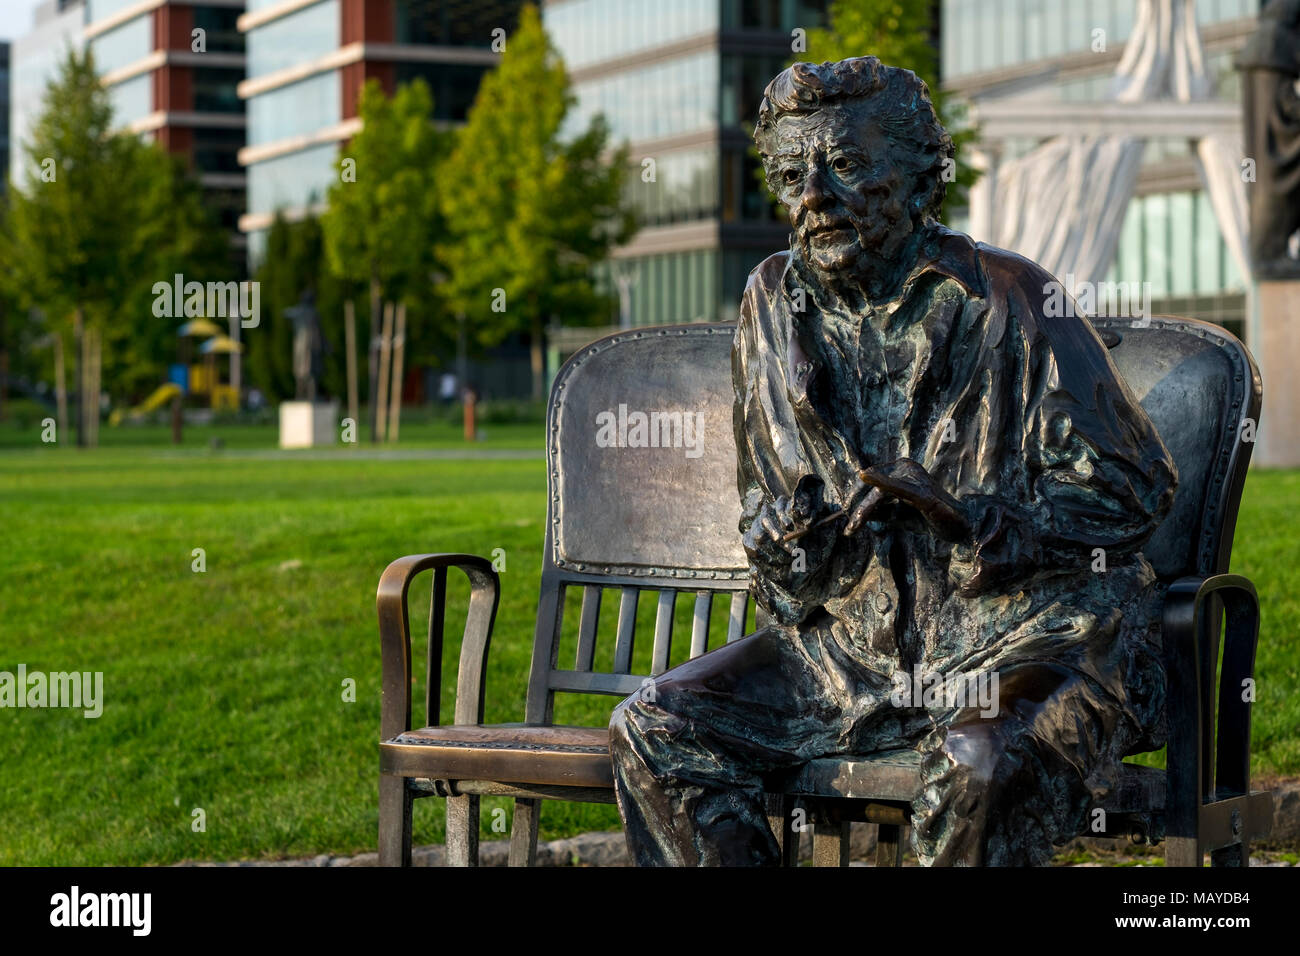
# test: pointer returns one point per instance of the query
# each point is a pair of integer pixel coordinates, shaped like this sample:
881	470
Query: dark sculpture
938	481
1270	62
308	346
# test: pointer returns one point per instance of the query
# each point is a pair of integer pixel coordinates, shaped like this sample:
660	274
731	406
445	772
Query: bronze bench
635	521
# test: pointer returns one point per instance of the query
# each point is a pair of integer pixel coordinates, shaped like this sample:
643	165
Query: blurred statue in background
308	346
1270	65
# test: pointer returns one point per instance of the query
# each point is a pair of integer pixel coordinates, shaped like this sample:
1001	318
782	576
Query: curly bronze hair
899	99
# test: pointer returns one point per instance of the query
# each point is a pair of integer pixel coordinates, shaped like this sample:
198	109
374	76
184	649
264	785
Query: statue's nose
816	194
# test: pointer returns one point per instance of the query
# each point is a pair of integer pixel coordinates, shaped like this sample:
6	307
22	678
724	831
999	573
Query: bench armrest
1203	765
395	638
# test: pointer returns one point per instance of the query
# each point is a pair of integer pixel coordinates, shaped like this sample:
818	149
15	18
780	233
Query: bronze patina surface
942	473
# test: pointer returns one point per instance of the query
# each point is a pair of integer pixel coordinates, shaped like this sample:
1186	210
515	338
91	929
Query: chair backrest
643	498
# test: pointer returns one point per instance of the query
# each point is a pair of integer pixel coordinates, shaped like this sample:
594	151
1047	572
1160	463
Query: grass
224	690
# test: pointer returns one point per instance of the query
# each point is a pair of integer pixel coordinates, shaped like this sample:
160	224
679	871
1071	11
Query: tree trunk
350	335
399	349
373	365
96	377
60	385
79	346
385	354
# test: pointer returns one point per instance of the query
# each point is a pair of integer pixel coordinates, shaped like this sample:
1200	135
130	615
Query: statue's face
834	172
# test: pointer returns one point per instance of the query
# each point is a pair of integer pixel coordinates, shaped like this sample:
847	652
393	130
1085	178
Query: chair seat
895	775
579	757
514	753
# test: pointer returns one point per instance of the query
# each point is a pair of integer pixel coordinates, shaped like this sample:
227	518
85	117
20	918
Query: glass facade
685	187
216	149
124	45
132	100
453	85
670	288
593	31
983	35
783	15
665	99
1172	241
295	39
99	9
292	180
294	110
218	23
744	77
214	90
465	23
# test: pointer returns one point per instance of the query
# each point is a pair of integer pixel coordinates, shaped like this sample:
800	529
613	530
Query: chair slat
587	625
663	632
700	626
619	685
626	631
739	609
433	661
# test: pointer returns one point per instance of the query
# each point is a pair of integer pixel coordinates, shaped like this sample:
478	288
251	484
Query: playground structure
196	380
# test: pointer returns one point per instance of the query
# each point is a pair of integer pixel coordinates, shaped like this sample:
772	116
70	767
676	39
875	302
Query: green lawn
224	689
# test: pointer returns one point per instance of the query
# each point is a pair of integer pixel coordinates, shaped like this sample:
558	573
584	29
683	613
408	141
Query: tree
101	218
528	214
898	32
382	212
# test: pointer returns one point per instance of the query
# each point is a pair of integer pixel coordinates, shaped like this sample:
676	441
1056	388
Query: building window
218	25
595	31
123	46
467	23
291	181
216	150
685	188
132	100
453	85
214	90
295	110
670	98
293	40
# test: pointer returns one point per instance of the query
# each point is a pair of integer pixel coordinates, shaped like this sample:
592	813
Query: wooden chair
637	524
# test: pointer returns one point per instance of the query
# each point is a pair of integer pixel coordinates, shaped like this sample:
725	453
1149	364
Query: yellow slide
160	397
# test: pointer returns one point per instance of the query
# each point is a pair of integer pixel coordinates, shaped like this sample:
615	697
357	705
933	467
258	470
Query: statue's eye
841	164
791	176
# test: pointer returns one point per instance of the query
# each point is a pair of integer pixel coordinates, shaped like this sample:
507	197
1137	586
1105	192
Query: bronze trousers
694	749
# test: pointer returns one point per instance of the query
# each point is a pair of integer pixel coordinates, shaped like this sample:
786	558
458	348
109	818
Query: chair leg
395	801
462	830
1182	851
779	808
889	844
523	832
830	844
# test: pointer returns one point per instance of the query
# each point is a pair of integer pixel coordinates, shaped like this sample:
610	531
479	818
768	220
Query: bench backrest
643	503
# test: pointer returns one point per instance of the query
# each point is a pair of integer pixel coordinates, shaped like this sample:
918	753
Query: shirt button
883	602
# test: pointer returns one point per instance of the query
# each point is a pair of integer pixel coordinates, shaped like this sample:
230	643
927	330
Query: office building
680	82
307	62
171	68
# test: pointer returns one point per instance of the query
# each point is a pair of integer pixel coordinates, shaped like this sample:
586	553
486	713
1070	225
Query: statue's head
855	152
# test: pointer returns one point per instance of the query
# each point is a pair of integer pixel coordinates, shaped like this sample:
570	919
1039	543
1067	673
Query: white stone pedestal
1275	343
305	424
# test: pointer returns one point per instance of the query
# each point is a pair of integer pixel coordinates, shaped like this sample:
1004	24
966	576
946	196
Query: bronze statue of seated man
943	486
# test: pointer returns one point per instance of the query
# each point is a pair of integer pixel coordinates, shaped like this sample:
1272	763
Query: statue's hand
911	484
784	524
